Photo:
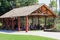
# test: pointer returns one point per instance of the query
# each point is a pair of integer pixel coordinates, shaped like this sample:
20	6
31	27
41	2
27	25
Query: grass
22	37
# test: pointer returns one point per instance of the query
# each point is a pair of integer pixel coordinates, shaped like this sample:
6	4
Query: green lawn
22	37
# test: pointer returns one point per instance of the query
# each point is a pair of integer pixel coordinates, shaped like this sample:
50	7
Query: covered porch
28	18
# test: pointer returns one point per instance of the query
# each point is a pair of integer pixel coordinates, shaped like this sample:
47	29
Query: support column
12	23
26	23
45	21
18	23
7	22
2	22
32	20
38	20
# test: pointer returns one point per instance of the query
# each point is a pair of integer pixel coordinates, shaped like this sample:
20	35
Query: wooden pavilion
37	11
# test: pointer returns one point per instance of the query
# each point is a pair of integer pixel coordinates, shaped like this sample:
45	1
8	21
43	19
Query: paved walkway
55	35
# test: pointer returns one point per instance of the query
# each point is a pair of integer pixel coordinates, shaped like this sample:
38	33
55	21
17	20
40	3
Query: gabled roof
22	11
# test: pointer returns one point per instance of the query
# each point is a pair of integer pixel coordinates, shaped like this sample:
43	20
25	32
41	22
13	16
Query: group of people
31	27
36	27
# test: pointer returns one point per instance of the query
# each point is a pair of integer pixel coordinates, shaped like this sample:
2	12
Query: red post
12	23
18	23
26	23
6	22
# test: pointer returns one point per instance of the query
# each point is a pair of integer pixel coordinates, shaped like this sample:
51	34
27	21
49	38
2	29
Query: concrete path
55	35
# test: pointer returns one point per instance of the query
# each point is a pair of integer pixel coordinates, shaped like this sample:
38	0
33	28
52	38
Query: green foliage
6	5
26	2
52	3
0	24
59	13
58	26
50	21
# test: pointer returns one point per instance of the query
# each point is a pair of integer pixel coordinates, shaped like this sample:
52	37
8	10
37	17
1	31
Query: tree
52	3
59	13
6	5
59	10
25	2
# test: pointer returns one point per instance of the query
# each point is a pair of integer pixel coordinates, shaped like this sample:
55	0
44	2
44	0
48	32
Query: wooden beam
26	23
50	11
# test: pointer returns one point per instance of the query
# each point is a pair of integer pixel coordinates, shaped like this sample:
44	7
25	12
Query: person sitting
31	27
4	26
23	27
15	27
34	27
39	27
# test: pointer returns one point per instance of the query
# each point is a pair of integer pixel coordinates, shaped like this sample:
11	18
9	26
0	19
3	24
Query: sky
47	2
